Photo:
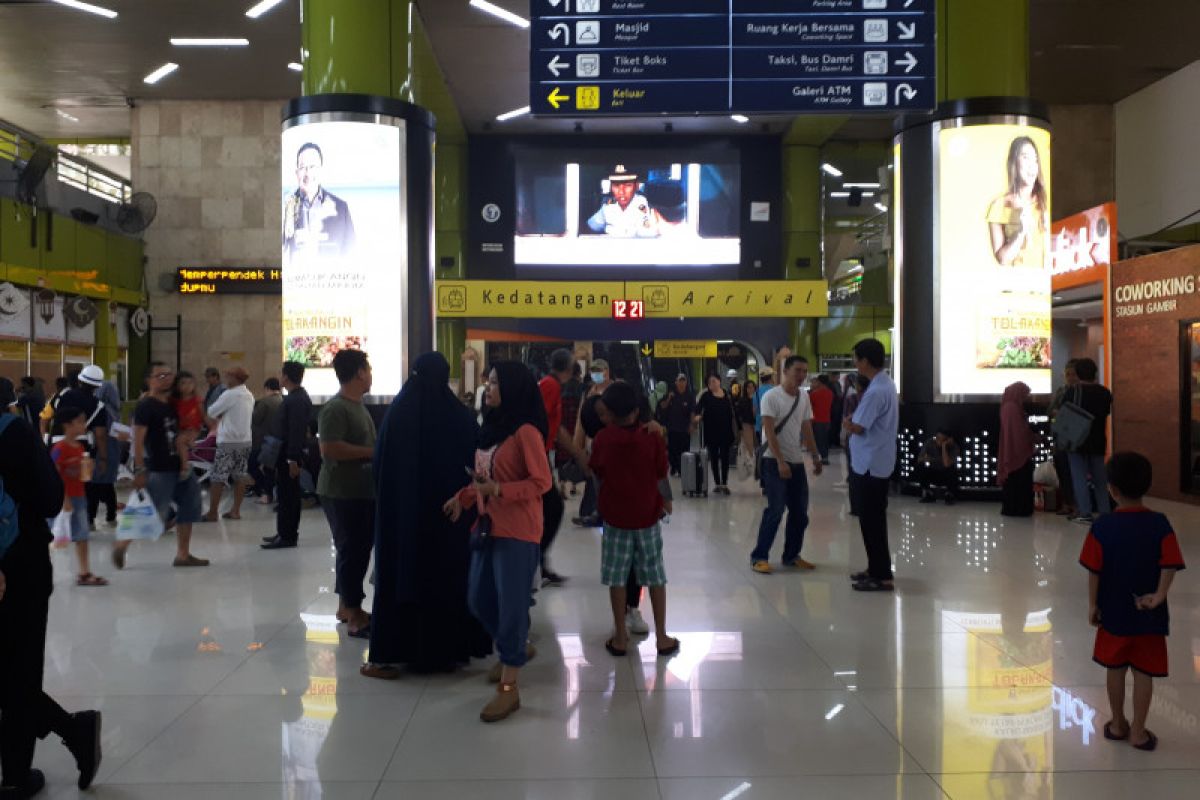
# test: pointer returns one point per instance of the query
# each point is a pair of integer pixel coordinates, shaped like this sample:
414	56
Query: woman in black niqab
420	617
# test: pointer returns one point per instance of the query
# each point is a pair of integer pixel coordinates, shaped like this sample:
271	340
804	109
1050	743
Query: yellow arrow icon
646	350
557	97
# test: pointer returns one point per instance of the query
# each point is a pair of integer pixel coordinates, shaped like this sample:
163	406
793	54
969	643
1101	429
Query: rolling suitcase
694	469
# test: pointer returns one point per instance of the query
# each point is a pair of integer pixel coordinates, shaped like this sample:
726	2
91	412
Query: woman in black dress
426	445
715	411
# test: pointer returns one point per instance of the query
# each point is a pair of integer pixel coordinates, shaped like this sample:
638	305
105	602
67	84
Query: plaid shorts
640	549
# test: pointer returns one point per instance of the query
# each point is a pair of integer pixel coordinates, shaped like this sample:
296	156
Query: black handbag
481	530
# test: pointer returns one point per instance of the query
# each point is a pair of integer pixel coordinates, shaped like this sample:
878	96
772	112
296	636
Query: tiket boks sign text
587	299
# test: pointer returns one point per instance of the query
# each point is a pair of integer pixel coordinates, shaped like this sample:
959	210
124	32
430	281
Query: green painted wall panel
15	248
63	242
91	250
123	262
983	48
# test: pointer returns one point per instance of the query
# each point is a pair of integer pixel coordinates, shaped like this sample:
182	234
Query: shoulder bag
481	531
1073	423
762	448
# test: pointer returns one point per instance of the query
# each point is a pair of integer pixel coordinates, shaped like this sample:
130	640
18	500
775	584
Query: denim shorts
80	527
166	488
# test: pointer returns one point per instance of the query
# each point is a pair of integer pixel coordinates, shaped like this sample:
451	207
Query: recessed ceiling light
294	67
260	8
65	115
830	169
881	207
502	13
88	7
213	42
839	194
160	73
516	112
861	185
741	119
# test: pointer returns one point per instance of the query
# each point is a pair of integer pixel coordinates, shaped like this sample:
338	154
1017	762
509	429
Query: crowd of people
477	495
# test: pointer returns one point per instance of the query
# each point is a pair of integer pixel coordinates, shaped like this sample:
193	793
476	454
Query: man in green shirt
346	486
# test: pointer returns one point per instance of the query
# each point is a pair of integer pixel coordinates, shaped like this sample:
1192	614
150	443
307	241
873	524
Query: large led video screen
993	265
343	249
627	209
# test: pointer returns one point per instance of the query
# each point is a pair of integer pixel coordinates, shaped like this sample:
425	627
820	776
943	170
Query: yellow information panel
580	299
682	348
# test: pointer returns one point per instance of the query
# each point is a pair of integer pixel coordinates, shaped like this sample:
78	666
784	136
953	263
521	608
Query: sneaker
635	623
84	744
761	567
506	700
1082	519
495	673
799	563
550	578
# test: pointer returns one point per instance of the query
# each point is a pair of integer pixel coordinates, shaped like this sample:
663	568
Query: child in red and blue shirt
1133	556
68	457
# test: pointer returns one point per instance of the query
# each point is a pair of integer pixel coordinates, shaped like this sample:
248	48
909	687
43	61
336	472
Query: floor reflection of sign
682	348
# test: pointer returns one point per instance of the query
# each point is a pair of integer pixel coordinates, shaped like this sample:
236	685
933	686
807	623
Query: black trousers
288	494
718	455
264	480
1017	492
929	476
870	497
98	493
591	495
552	514
633	590
352	523
678	443
1066	486
26	712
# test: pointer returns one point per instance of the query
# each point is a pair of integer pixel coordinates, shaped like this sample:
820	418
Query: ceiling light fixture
258	9
88	7
214	42
65	115
861	185
830	169
881	207
516	112
294	67
839	194
160	73
502	13
740	119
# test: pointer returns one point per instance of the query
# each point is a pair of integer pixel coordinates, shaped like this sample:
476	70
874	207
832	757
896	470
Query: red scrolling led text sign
628	309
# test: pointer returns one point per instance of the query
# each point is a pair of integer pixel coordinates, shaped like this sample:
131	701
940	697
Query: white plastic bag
60	526
139	519
1045	474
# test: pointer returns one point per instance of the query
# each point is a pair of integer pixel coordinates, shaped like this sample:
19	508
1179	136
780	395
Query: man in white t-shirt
232	413
787	431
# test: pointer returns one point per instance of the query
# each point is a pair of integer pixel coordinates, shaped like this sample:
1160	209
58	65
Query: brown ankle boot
497	670
503	704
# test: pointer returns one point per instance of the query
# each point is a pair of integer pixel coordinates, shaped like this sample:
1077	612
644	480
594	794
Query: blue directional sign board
602	57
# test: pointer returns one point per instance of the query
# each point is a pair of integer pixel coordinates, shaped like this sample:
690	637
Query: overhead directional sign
731	56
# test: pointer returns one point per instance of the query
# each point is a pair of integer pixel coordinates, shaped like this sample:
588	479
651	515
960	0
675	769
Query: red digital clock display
628	309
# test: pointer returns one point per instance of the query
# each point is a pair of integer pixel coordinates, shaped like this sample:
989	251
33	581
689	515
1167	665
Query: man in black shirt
27	713
1088	460
681	410
158	469
290	426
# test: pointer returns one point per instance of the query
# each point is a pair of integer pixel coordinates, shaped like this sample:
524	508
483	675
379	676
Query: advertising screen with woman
993	266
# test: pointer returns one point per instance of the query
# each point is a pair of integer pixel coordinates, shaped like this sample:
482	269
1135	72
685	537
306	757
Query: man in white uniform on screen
626	214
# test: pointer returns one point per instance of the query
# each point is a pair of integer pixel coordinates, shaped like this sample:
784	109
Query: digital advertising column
357	237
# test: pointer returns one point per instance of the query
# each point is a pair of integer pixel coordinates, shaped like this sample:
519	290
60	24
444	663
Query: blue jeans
1082	465
498	593
790	496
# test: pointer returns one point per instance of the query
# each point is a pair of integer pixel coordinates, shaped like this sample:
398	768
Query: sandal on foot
381	671
670	650
1112	737
613	650
88	579
362	633
230	515
1150	743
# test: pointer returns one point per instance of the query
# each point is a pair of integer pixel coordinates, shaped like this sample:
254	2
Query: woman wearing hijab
426	445
511	475
1017	439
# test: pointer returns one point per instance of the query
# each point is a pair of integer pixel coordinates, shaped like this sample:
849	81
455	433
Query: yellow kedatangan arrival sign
587	299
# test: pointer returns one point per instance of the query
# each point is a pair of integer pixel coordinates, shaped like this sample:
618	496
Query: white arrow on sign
909	62
556	2
906	90
556	66
562	30
907	30
907	3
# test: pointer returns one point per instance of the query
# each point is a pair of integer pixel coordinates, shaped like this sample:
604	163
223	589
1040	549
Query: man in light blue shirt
873	430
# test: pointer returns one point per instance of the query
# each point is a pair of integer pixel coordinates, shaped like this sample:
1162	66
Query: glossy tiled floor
973	681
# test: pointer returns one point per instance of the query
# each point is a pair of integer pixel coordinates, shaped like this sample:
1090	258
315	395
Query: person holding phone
510	477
